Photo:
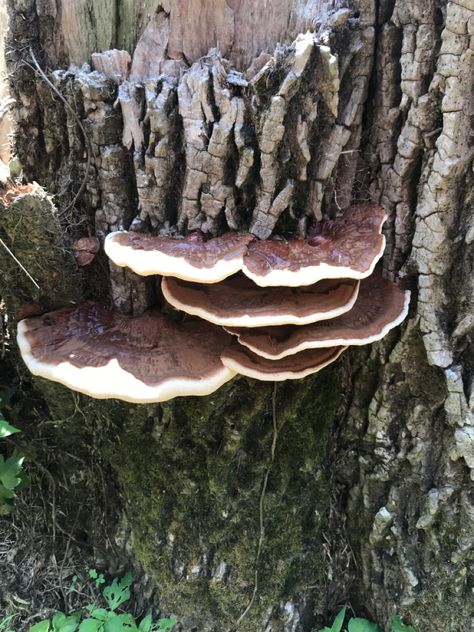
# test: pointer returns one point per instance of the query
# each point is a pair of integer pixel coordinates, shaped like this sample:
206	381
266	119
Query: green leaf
166	624
58	621
9	471
99	613
63	623
5	493
118	592
145	624
399	626
91	625
42	626
92	573
338	621
6	429
121	623
362	625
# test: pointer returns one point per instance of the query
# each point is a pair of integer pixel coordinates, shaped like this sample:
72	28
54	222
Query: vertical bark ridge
412	497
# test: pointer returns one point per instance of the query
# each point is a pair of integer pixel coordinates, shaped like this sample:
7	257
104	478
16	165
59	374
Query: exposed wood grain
71	30
85	27
241	29
133	17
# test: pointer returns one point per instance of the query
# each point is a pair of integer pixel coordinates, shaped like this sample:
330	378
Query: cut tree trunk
260	507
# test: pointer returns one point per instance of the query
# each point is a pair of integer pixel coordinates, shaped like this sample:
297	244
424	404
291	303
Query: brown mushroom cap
379	307
245	362
146	359
238	302
85	249
347	247
191	258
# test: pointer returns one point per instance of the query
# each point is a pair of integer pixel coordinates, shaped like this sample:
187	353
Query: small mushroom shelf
270	310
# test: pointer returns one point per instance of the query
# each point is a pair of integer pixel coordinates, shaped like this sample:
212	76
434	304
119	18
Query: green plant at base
97	619
4	623
12	478
399	626
356	624
97	577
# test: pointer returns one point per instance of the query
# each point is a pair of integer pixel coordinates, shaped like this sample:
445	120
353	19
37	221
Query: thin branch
18	262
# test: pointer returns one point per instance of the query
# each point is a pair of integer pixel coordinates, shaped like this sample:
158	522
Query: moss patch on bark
192	471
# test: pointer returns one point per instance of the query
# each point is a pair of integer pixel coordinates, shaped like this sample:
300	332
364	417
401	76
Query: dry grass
38	563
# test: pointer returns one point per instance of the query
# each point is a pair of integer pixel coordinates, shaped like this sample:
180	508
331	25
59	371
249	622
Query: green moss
447	602
192	473
32	219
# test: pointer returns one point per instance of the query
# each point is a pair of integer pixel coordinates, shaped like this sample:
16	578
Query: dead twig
18	262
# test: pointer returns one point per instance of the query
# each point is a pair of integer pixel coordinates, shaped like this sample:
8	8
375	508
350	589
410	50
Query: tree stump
260	507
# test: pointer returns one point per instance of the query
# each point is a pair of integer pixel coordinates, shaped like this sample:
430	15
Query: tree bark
261	507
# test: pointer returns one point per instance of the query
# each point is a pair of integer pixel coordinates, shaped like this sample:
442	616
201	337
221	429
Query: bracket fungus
150	358
191	258
238	302
346	247
292	306
245	362
380	307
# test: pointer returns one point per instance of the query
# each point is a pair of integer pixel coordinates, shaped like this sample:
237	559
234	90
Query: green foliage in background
96	618
12	478
363	625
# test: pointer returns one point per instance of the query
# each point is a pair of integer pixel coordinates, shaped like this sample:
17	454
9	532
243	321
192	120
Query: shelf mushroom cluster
271	310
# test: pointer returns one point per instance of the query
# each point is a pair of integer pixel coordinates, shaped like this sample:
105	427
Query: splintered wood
247	137
179	147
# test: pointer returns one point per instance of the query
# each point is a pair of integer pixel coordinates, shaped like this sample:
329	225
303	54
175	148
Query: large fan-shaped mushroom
245	362
346	247
146	359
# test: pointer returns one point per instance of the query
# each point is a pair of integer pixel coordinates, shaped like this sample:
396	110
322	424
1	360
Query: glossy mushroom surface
238	302
346	247
192	258
245	362
150	358
380	307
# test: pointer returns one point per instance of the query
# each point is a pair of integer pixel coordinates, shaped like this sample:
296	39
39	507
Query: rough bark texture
370	486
